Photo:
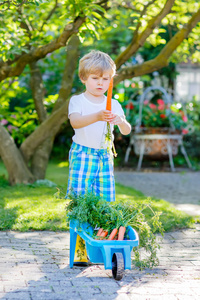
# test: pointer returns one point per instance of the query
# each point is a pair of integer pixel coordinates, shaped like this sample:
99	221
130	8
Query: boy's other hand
116	120
105	115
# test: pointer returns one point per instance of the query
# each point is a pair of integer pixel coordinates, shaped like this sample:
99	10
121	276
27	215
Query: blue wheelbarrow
116	255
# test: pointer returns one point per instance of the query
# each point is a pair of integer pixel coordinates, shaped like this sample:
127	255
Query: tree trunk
37	147
37	89
41	156
18	171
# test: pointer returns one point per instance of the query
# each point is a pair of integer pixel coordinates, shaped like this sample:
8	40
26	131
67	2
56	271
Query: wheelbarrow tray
101	251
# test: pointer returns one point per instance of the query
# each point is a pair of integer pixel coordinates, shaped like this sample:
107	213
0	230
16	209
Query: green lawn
36	207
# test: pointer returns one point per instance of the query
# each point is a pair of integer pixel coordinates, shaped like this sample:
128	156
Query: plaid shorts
91	170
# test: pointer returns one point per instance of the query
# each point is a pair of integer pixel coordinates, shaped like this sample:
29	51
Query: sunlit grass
32	207
171	218
35	207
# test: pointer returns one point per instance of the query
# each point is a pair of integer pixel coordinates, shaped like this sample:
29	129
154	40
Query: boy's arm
79	121
124	127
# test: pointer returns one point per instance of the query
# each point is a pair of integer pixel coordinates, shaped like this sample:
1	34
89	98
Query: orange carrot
104	233
113	234
99	231
121	233
109	95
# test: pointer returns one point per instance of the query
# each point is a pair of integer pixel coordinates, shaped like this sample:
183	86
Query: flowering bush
157	114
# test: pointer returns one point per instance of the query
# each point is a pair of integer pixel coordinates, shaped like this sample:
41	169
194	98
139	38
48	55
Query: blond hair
96	62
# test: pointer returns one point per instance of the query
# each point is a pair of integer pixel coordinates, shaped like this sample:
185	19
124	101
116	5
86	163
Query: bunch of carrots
102	234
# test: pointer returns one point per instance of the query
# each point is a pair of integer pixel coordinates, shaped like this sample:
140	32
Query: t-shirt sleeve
74	105
117	108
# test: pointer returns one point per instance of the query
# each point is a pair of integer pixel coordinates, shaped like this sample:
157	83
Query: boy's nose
100	81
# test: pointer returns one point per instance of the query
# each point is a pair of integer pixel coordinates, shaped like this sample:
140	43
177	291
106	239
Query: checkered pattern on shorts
91	170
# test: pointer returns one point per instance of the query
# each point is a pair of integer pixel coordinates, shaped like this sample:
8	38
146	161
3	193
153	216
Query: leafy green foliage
193	112
25	33
192	140
21	123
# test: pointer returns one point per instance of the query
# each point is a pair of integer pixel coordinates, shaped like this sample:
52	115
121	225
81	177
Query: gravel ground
180	188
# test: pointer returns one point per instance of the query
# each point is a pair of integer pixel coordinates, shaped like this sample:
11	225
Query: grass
35	207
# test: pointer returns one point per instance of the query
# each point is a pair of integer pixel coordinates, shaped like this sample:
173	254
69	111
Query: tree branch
50	14
139	22
68	74
162	59
41	52
24	24
8	3
140	39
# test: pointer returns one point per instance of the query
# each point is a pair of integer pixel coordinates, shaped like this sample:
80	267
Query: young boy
90	162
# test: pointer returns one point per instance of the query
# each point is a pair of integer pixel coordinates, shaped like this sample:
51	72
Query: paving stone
17	295
52	296
14	288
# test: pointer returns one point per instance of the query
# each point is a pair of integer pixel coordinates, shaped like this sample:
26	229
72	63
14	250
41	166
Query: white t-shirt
93	135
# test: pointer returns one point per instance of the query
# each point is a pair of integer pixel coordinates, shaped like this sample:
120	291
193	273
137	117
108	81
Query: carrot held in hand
113	234
109	107
109	95
121	233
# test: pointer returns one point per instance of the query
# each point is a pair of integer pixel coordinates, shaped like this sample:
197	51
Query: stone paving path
35	265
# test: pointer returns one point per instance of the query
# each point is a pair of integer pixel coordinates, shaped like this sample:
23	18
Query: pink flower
4	122
185	119
146	102
152	106
161	107
11	128
160	102
184	131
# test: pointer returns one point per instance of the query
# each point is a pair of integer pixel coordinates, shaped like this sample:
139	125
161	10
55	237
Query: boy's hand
116	120
105	115
124	126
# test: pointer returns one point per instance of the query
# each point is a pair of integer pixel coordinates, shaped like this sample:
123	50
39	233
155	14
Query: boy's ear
82	80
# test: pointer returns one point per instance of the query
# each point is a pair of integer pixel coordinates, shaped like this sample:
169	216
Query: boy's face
96	84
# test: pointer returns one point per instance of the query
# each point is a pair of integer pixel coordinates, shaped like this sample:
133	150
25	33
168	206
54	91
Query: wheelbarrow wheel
117	266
